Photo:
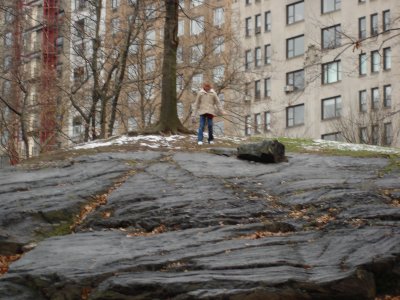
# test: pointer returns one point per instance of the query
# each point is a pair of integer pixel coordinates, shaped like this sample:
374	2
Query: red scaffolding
48	125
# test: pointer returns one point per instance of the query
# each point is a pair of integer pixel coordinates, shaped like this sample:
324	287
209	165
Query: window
247	125
181	27
196	53
7	62
80	28
387	95
267	21
218	74
179	54
375	135
267	87
331	72
295	46
180	83
295	115
362	64
335	136
115	25
150	64
248	26
374	24
248	2
267	121
331	107
362	99
133	97
330	5
387	134
257	57
267	54
331	37
248	59
132	123
219	16
219	44
375	61
257	23
363	134
132	72
150	39
80	4
295	12
195	3
257	123
386	20
362	28
257	89
79	74
387	58
114	4
133	48
6	88
150	11
8	16
132	2
77	126
375	98
295	79
197	81
8	39
197	25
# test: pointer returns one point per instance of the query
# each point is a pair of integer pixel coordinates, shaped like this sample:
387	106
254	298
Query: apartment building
321	69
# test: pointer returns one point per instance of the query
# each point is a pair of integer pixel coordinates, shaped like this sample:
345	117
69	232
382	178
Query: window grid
362	64
267	87
362	96
331	72
267	121
296	79
387	58
295	115
295	12
330	6
267	21
375	98
386	20
375	61
387	95
362	28
331	37
267	54
295	46
331	107
374	24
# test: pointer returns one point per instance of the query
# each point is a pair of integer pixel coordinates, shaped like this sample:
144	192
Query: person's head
207	87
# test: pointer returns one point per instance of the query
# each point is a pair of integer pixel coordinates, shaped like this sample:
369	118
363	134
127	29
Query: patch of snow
318	144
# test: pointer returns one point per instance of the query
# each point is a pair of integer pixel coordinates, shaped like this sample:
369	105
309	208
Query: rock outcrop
266	151
202	226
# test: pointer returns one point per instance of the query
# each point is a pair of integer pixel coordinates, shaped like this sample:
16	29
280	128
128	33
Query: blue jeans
203	119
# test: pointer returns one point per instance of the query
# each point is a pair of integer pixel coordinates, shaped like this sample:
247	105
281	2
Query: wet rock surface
202	226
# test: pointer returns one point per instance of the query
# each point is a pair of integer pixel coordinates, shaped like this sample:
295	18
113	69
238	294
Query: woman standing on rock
207	105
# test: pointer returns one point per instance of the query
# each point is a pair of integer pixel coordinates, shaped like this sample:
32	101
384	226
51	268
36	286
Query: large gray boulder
190	225
267	151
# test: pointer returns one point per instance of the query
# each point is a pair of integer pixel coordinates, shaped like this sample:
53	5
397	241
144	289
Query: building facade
310	68
321	69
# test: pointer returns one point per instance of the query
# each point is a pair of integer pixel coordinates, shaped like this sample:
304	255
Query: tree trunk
169	121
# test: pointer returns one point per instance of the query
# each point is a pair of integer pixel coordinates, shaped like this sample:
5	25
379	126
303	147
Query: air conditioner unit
289	88
247	98
258	30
